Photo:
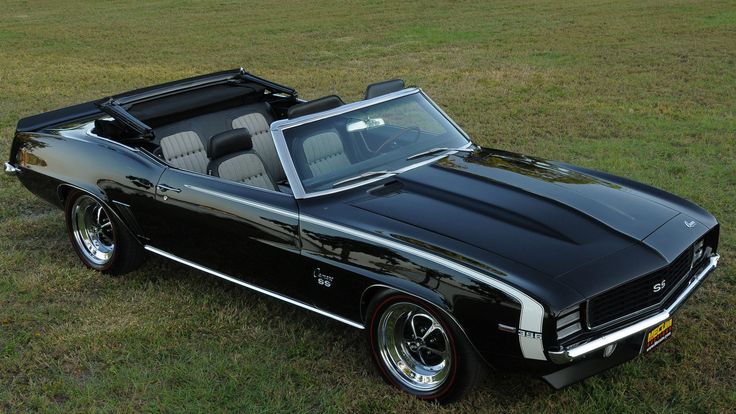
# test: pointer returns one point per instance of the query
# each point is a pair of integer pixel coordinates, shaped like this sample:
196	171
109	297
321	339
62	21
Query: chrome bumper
11	169
578	351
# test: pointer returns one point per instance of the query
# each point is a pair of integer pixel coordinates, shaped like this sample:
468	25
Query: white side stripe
253	287
532	312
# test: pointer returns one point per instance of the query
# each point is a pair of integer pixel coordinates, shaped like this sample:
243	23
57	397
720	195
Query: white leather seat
246	167
233	159
185	150
325	153
184	142
263	145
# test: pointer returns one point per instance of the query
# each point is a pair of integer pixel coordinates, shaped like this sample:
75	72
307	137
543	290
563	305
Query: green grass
643	89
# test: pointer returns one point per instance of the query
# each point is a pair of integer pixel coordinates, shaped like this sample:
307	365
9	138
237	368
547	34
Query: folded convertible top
91	109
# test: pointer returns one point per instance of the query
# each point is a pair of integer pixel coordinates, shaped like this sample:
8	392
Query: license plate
659	334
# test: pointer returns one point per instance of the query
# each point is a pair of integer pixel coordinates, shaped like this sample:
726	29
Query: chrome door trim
252	287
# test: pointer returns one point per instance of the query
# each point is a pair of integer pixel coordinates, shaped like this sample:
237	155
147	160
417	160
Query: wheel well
63	191
374	290
367	297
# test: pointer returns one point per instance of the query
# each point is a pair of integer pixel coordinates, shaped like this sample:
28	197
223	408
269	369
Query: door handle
164	188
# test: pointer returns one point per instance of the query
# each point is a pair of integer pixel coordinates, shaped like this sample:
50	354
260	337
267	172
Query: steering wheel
397	136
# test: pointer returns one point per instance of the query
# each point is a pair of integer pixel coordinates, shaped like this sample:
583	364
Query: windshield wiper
436	150
361	176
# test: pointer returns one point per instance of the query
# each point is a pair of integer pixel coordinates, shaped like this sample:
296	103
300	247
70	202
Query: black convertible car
381	214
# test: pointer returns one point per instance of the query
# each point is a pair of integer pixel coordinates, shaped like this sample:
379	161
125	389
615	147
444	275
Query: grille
638	294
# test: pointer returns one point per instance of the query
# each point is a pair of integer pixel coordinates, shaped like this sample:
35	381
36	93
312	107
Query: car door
238	230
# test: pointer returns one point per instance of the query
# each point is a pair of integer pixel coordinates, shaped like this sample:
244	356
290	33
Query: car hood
544	215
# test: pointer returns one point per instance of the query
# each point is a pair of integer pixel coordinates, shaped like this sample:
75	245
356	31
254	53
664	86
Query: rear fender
52	164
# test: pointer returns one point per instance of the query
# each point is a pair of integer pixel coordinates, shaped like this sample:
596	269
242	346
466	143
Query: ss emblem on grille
658	286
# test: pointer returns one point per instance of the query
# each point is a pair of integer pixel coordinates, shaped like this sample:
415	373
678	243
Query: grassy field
645	89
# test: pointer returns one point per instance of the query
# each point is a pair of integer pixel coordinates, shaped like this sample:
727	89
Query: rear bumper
11	169
580	351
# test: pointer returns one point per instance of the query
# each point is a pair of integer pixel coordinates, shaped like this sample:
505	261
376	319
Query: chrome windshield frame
278	128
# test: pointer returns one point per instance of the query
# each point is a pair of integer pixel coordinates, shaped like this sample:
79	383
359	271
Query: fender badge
690	224
322	279
529	334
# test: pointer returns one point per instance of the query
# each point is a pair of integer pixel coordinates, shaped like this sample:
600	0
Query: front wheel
98	238
420	350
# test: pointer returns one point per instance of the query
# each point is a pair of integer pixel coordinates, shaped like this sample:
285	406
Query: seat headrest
382	88
229	142
317	105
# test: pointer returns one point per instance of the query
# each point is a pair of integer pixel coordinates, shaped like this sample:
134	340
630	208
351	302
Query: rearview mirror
365	124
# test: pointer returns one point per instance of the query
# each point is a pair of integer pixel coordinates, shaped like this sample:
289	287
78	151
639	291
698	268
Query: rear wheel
420	350
99	239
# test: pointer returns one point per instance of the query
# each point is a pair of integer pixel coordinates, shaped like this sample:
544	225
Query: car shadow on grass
502	386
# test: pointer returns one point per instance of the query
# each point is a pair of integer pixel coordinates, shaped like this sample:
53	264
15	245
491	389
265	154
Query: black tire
453	374
99	239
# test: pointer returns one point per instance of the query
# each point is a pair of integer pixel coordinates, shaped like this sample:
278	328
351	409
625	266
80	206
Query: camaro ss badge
322	279
690	224
658	286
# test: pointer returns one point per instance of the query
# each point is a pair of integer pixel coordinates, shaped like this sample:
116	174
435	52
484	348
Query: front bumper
580	351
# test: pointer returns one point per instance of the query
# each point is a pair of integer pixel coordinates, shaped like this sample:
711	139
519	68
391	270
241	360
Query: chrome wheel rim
414	347
92	230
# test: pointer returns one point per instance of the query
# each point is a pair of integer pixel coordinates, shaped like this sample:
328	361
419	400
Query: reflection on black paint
523	165
366	255
452	255
139	182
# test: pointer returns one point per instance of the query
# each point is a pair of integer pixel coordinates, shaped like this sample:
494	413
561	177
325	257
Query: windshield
370	142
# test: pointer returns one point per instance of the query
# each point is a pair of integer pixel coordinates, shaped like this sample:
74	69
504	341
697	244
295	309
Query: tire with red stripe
419	349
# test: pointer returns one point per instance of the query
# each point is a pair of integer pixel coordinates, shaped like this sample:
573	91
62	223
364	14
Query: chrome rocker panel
580	351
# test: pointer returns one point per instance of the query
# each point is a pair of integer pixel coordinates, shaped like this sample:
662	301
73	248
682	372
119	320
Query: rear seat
185	150
184	143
